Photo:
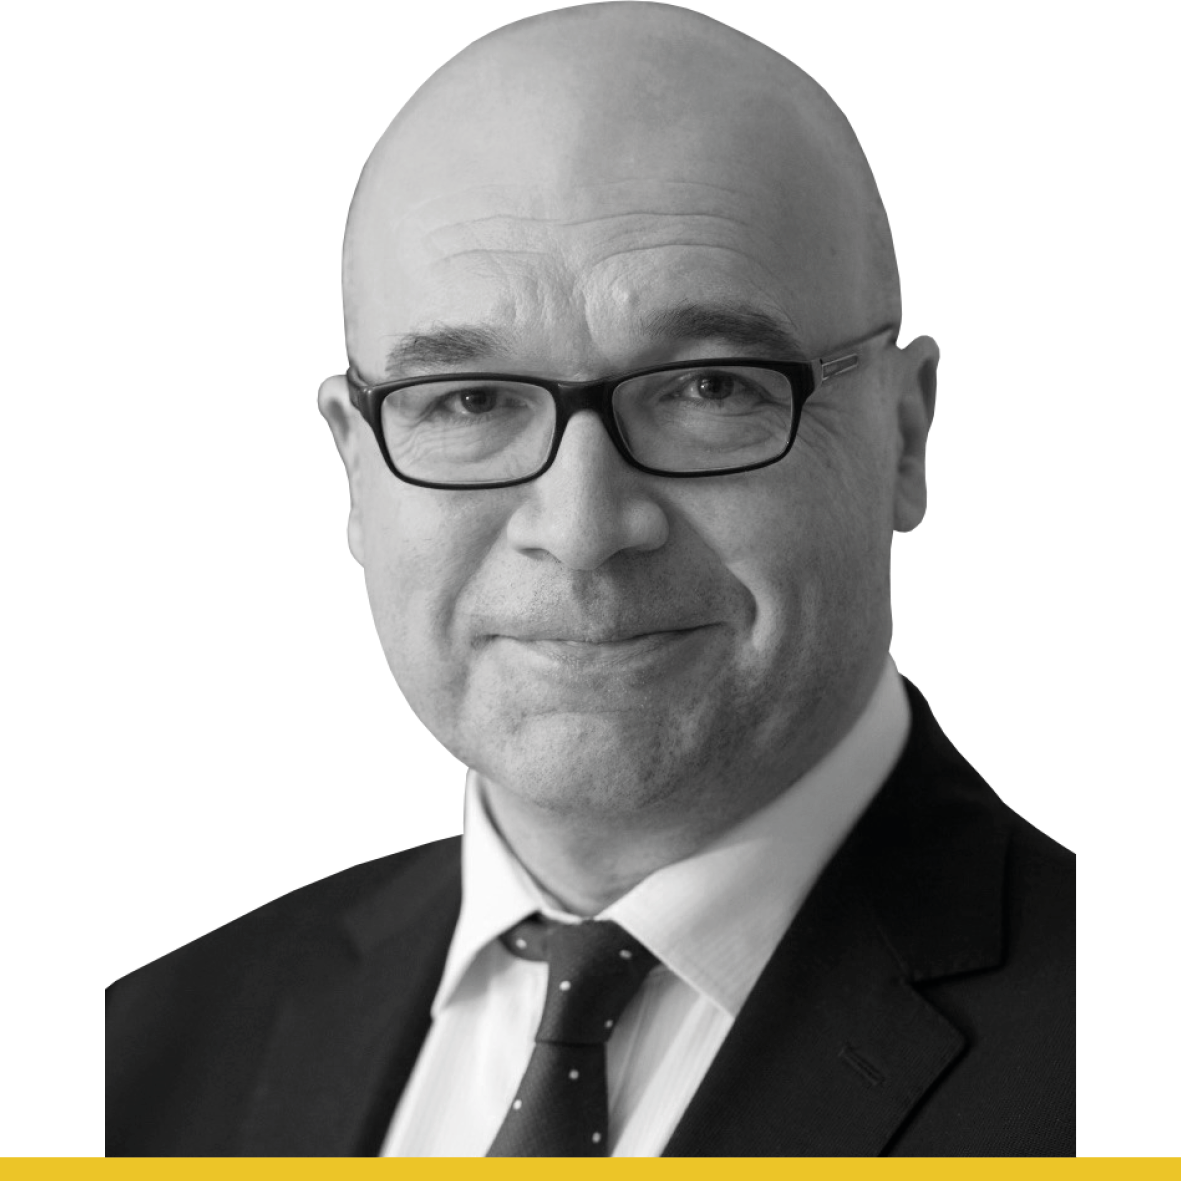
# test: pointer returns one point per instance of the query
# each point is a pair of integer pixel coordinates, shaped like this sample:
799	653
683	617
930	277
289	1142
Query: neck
584	866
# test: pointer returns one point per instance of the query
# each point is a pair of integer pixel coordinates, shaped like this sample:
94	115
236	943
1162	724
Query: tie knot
595	968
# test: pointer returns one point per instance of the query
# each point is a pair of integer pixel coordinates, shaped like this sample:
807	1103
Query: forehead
557	174
573	273
560	199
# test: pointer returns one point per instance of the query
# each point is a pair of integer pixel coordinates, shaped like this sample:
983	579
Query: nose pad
588	452
591	504
579	402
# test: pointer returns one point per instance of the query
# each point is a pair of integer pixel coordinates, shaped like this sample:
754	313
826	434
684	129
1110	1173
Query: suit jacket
921	1003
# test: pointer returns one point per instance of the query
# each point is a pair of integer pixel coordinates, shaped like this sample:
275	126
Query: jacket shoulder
203	1012
295	924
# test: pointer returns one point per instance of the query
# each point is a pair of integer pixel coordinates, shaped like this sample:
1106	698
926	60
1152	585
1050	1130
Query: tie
595	968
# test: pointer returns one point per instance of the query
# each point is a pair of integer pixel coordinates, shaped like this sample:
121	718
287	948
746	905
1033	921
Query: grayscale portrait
628	428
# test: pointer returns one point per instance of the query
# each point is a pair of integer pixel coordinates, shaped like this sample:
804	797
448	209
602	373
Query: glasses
712	417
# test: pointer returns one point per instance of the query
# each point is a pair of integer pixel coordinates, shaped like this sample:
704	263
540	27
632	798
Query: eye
476	401
716	390
468	404
713	387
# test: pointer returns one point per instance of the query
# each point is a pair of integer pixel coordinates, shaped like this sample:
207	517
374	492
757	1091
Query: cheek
810	544
848	522
422	547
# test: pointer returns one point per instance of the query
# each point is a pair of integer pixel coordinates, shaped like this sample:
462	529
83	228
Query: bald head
601	114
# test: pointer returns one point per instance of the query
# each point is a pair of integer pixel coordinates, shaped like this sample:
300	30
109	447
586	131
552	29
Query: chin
592	765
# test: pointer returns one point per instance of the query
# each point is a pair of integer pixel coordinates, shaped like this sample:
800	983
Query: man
724	887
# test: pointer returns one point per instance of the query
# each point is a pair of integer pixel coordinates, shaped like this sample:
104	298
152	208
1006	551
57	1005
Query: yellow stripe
186	1169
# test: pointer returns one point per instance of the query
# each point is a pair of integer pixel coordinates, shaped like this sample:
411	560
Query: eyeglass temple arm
847	358
836	366
357	388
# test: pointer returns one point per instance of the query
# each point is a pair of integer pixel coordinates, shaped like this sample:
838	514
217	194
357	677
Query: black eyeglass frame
598	395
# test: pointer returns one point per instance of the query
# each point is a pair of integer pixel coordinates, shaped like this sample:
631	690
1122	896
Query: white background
197	716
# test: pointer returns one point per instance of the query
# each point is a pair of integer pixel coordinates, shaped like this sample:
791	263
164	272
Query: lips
591	637
624	657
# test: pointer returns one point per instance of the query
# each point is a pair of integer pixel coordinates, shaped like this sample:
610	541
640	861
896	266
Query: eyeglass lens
684	420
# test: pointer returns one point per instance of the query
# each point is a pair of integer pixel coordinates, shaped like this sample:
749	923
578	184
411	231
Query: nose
590	505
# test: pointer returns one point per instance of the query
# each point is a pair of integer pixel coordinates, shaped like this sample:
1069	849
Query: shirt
713	920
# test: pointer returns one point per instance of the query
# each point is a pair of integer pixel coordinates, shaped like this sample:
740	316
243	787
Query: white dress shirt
713	920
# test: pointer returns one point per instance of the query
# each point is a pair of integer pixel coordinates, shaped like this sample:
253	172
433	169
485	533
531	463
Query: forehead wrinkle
596	220
750	279
655	215
560	205
621	234
491	253
678	244
528	290
585	201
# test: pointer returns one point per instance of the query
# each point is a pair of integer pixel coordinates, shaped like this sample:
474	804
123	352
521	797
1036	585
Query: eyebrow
443	348
739	325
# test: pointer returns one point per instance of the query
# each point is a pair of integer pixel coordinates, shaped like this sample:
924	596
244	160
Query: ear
346	423
915	411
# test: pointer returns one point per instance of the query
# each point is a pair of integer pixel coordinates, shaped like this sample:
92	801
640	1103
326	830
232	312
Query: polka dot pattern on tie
595	968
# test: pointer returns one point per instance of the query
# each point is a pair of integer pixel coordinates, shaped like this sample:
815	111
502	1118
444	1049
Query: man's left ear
915	410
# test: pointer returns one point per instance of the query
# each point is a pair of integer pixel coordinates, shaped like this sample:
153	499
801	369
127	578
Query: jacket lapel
836	1045
343	1045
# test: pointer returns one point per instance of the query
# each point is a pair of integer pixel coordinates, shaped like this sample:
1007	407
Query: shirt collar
497	892
714	918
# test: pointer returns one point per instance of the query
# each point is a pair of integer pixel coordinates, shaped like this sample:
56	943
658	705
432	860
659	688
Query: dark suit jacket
922	1002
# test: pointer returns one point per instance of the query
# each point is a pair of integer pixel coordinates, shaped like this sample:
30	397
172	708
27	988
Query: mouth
602	648
600	638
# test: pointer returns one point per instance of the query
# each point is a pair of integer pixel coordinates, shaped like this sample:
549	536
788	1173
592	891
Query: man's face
601	640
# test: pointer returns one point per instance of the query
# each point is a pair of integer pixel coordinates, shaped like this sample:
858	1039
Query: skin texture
563	182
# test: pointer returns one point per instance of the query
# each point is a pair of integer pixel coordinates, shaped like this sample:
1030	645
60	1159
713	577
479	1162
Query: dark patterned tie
595	968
